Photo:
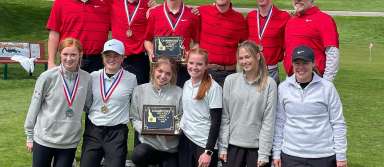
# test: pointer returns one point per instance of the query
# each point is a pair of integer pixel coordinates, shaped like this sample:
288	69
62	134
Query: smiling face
70	58
301	6
112	61
162	74
248	62
196	66
303	70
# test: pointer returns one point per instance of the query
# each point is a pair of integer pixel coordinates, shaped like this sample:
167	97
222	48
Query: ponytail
206	82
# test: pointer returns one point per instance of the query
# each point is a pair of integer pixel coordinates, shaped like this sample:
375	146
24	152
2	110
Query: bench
27	49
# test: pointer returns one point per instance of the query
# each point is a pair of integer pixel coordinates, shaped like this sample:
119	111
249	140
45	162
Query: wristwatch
208	152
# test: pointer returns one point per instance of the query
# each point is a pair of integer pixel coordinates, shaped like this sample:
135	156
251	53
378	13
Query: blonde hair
166	61
261	73
206	82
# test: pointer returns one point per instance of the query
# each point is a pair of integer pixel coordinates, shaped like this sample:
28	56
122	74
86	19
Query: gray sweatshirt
47	122
146	94
248	115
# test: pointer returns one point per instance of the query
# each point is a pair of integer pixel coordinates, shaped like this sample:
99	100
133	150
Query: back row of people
218	28
239	124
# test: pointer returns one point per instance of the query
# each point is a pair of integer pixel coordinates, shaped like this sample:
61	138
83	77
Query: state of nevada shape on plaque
160	120
171	46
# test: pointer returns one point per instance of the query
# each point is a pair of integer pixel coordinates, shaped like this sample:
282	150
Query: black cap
303	52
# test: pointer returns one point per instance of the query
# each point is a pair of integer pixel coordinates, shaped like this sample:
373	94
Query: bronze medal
129	33
104	109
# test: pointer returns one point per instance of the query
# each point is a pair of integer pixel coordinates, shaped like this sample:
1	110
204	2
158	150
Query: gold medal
104	109
129	33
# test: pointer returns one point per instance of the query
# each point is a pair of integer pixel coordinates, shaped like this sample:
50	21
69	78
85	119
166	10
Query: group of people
233	107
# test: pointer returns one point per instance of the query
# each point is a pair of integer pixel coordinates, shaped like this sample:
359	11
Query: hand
152	3
277	162
204	160
151	57
195	11
29	146
341	163
261	163
223	157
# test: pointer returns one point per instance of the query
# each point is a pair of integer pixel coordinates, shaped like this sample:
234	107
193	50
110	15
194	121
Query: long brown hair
262	71
167	61
206	81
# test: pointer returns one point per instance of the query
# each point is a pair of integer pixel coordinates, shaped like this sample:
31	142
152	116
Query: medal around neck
104	109
106	93
70	94
130	18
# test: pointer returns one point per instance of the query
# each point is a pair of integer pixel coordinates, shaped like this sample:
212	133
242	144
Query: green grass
348	5
359	82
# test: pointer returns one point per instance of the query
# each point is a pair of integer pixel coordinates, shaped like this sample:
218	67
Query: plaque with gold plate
171	46
160	120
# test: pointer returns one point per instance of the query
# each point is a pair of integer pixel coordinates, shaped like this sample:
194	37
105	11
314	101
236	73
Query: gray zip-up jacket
146	94
248	115
47	122
309	121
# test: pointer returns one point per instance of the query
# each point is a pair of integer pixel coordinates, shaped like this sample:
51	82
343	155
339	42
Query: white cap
114	45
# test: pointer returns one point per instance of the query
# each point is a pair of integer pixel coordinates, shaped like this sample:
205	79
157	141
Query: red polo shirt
89	22
273	36
221	33
119	22
314	29
158	25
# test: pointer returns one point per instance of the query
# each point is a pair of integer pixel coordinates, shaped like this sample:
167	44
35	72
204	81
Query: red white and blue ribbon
173	26
129	17
70	95
106	94
261	29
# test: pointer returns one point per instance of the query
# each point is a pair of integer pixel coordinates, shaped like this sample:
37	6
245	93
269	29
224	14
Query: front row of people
302	121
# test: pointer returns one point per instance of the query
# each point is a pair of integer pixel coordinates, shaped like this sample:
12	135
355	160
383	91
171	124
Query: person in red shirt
222	29
128	24
266	27
317	30
173	18
86	20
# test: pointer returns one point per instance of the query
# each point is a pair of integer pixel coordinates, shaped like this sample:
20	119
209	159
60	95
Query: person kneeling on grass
106	133
161	90
53	122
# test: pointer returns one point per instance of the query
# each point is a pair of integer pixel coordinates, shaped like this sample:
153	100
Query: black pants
144	155
182	75
42	156
91	63
220	75
189	153
241	157
139	65
292	161
109	142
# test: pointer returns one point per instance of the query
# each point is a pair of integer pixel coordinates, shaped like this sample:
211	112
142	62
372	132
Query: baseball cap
114	45
303	52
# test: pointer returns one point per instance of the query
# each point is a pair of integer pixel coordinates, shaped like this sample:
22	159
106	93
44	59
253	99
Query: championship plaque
160	120
169	46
